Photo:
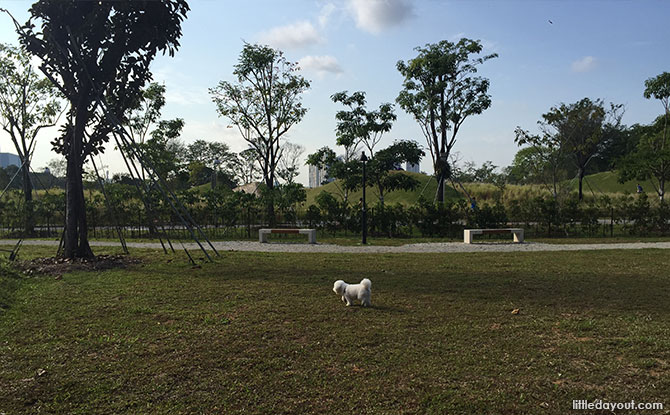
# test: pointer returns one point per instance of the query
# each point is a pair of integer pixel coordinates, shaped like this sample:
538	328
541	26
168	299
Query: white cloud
375	16
321	65
326	12
297	35
585	64
187	96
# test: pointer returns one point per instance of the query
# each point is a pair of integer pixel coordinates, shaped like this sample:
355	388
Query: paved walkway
431	247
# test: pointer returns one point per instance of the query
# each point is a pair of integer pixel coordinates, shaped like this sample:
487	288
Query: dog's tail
366	283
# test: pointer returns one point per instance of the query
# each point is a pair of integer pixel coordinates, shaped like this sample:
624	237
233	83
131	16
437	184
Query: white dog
353	292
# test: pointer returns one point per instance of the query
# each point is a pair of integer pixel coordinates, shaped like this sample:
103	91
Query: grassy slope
263	333
608	182
427	187
598	183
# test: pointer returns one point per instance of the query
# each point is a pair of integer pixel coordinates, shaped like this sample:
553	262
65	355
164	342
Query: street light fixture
364	213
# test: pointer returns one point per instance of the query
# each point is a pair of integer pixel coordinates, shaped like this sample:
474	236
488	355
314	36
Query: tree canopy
358	125
440	91
28	103
97	54
263	104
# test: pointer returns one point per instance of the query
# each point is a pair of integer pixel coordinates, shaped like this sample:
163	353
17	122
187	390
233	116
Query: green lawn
260	333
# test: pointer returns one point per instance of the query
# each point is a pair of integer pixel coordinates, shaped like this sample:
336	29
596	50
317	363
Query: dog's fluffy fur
353	292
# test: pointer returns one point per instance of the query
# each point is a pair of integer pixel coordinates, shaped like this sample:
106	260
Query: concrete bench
263	234
469	233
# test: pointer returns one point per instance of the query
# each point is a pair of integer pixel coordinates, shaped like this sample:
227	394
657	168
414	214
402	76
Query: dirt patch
56	267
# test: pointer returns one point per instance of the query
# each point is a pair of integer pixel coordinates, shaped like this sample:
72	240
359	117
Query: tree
659	88
650	159
347	172
147	111
388	160
57	167
93	52
245	167
264	104
165	151
28	103
215	157
580	127
440	92
528	167
289	162
145	114
209	153
358	125
548	154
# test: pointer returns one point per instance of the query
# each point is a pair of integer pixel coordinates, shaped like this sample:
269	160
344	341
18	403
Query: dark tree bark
75	242
29	219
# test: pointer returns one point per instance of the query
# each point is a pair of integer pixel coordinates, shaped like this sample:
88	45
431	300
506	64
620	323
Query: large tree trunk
272	220
580	172
440	189
75	242
29	218
442	172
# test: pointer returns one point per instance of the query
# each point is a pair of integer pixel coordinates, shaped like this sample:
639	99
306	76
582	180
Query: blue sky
597	49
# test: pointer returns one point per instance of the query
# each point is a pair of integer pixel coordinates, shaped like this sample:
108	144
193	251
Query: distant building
411	167
8	159
317	176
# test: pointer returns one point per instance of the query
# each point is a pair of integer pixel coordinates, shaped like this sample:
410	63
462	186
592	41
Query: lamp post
364	212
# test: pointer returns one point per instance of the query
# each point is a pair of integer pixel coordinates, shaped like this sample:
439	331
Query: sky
550	52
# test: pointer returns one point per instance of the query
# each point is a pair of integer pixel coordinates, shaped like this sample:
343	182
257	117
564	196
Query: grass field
596	185
264	334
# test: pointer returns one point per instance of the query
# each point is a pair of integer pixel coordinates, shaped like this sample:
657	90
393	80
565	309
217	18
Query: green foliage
385	161
95	51
164	149
650	160
488	216
434	219
574	131
28	102
146	112
658	87
291	195
289	161
332	211
264	103
115	53
313	216
440	91
358	125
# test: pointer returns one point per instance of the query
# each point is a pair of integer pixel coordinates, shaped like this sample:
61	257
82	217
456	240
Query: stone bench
263	234
469	233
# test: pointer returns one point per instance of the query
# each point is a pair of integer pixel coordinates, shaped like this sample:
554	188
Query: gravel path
433	247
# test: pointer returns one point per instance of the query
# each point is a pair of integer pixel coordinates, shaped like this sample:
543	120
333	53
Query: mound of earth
56	267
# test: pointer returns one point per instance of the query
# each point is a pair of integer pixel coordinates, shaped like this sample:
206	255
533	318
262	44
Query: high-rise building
7	159
316	176
411	167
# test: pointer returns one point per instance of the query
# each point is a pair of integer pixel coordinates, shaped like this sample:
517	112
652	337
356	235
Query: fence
233	216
